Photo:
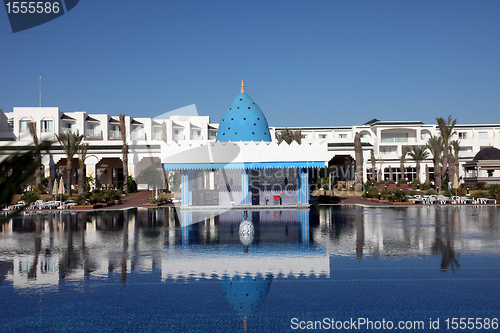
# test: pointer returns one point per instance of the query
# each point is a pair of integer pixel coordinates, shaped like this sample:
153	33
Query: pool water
337	268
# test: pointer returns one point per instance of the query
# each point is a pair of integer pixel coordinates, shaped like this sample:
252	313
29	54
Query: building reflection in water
46	249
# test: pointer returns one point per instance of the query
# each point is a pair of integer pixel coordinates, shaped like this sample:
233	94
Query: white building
145	136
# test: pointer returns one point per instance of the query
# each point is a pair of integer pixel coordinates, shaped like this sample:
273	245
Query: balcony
178	137
93	134
69	131
115	135
138	136
157	136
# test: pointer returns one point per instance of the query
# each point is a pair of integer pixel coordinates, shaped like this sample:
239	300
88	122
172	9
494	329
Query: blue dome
243	121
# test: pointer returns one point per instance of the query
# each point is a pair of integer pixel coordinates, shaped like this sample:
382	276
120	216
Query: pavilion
244	167
482	168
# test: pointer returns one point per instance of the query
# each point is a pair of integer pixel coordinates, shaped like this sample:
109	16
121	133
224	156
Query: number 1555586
24	7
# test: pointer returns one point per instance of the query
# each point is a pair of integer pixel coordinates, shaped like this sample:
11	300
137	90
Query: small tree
123	133
70	143
82	156
372	160
38	157
402	160
358	151
418	154
435	146
289	136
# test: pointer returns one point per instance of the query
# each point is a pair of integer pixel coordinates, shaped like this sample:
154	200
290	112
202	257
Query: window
342	136
483	135
195	134
23	126
385	150
212	134
465	149
47	126
462	135
11	125
394	137
322	136
363	136
303	136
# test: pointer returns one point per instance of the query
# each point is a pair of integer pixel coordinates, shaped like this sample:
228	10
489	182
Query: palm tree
82	156
358	152
38	157
69	142
435	146
455	144
402	160
372	160
123	133
288	136
418	154
446	127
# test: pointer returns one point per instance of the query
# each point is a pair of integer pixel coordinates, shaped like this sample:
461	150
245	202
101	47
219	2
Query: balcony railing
157	136
178	137
69	131
138	136
92	133
114	135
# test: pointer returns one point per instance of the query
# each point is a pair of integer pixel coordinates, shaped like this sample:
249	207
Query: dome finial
242	86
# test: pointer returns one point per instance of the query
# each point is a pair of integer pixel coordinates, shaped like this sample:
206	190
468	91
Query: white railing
92	133
157	136
69	131
138	136
115	135
178	137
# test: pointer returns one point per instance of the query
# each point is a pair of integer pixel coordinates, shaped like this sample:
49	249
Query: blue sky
306	63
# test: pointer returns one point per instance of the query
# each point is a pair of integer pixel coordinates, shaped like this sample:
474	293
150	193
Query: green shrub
494	191
402	181
371	193
425	186
398	195
131	184
30	196
481	185
431	192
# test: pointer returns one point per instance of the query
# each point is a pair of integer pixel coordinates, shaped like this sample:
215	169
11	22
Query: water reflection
49	248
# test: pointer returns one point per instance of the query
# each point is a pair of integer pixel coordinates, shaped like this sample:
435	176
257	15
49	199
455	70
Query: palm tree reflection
444	242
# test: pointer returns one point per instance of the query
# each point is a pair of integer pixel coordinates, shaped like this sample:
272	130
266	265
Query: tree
69	143
15	170
446	127
38	157
402	160
418	154
435	146
288	136
372	160
358	152
455	144
123	133
82	156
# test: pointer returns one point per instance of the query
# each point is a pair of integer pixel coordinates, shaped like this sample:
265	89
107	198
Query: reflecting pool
328	268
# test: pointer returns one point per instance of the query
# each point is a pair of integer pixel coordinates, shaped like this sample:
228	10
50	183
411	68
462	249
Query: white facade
145	137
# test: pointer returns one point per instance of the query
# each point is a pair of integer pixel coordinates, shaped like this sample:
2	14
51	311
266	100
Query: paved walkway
136	199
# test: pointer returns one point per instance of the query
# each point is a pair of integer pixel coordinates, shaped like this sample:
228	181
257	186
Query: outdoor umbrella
55	189
61	187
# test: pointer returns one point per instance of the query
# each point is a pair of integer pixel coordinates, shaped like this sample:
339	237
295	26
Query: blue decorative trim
257	165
